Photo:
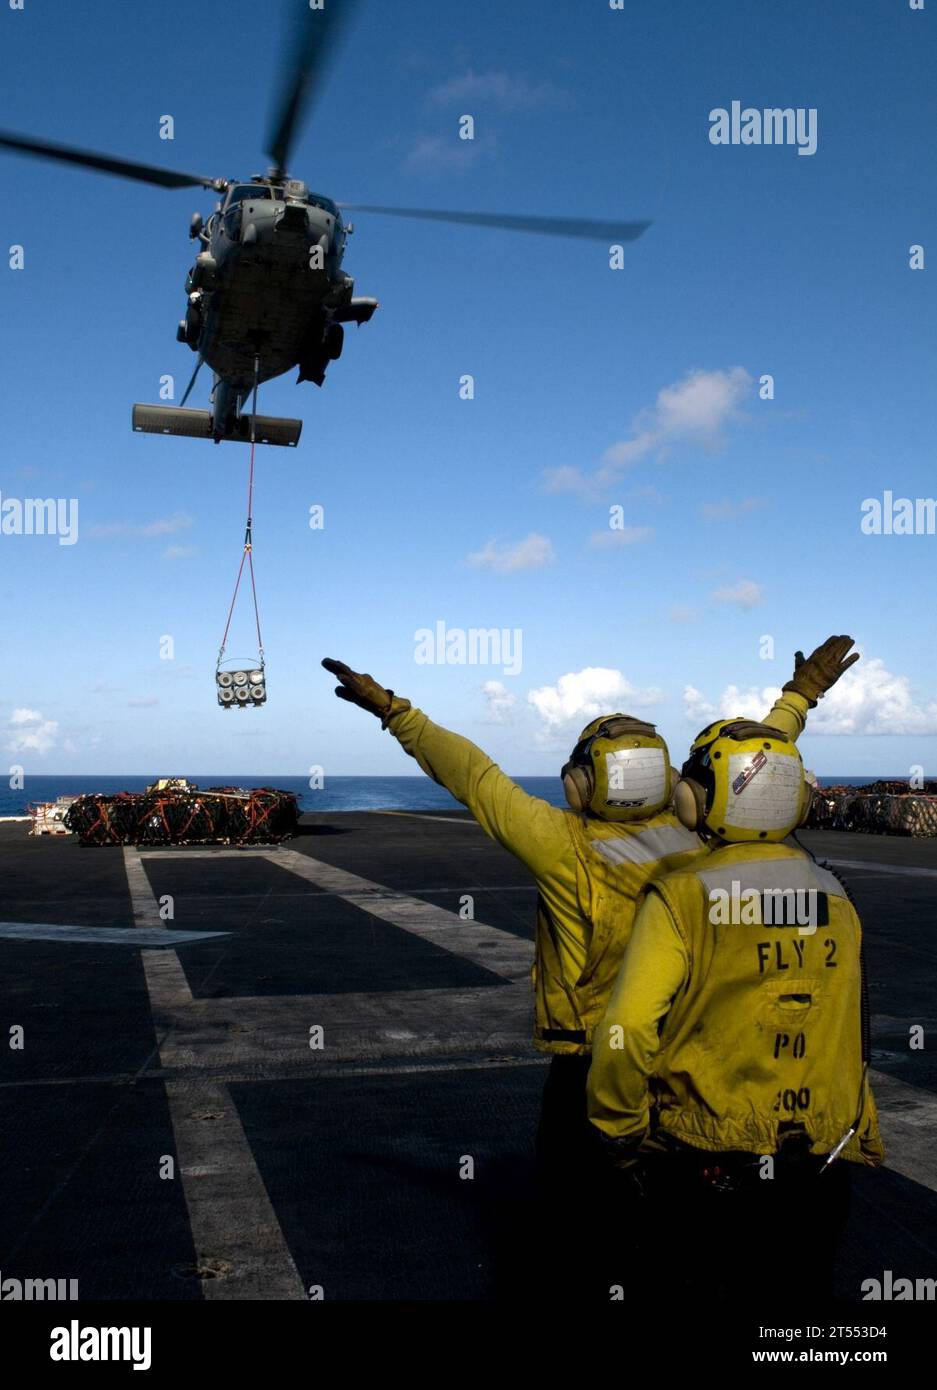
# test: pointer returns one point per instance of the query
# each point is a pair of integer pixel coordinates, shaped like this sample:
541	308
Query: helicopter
267	291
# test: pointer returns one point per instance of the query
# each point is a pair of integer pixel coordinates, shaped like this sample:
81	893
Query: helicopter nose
294	216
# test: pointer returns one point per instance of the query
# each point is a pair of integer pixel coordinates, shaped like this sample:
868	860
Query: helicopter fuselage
268	290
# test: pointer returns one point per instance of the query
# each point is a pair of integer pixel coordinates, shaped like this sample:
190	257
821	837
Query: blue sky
594	388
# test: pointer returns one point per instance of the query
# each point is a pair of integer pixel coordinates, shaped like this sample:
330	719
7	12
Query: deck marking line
230	1214
497	951
908	1116
440	820
910	870
101	936
203	852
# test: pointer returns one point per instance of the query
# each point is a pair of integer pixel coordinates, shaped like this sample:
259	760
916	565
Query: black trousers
738	1235
679	1226
587	1220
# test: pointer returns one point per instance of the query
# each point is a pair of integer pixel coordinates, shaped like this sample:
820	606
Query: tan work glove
814	676
364	691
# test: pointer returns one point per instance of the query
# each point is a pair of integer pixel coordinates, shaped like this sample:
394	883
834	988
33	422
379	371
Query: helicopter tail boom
198	424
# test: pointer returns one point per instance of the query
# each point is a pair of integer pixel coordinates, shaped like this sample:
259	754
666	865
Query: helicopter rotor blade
582	227
314	39
106	164
188	389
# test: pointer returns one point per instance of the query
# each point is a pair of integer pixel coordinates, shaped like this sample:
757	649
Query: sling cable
241	682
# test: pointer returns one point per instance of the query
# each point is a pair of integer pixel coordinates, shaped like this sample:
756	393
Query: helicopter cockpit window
253	191
319	200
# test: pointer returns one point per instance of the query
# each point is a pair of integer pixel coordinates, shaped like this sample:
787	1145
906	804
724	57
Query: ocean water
338	794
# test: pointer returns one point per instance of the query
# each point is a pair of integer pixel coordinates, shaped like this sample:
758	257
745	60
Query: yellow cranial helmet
619	770
743	782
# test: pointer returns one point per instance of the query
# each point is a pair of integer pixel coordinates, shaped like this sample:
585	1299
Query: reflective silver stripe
648	845
765	874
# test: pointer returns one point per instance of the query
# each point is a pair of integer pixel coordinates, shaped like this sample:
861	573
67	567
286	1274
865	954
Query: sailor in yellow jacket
590	862
734	1050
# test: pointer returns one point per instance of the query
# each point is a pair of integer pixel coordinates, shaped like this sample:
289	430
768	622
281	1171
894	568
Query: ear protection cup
578	784
689	803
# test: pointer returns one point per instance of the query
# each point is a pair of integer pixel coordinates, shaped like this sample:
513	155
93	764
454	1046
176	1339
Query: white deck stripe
204	852
908	1116
101	936
903	869
171	977
142	899
441	820
230	1214
495	950
272	1031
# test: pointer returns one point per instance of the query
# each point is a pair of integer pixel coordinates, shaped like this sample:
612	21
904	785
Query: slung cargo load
241	686
198	424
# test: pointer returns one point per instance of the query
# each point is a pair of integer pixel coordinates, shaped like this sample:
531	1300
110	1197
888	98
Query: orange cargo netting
884	808
185	815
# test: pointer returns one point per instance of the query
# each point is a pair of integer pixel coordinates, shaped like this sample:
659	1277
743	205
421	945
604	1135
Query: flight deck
305	1070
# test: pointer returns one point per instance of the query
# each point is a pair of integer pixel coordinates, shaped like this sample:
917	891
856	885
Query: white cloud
430	153
681	613
625	535
696	707
733	703
647	493
24	716
700	406
163	526
729	510
693	411
502	90
869	699
580	696
532	553
179	521
499	702
564	479
745	594
29	732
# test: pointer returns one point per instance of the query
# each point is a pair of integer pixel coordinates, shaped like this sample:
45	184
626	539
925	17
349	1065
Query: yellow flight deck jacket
762	1020
589	872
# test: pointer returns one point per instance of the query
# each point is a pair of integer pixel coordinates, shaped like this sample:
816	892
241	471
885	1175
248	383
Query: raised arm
813	677
529	827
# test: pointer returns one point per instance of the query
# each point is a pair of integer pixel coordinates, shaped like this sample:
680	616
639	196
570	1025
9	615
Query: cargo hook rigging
247	553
